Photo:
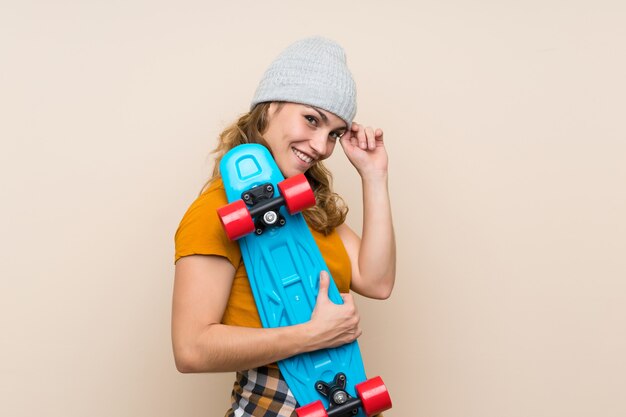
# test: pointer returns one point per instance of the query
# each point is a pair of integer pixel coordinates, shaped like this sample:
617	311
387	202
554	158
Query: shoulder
213	196
204	208
200	231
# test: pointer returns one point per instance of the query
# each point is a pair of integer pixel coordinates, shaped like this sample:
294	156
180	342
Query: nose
319	143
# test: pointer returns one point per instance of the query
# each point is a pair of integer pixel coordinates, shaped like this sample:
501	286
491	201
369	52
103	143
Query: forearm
224	348
201	344
377	254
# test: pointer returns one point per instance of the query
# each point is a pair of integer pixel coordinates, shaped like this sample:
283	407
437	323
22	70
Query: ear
272	109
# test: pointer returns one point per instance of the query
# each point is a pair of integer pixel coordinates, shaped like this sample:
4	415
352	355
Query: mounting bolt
340	397
270	217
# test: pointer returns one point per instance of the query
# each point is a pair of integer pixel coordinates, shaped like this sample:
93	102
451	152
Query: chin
291	174
291	171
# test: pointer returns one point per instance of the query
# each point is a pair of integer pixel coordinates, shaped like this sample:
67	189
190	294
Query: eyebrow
323	116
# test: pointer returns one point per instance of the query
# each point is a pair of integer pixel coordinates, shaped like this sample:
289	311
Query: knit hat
311	71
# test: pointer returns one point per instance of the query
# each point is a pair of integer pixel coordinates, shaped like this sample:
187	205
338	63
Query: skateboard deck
283	264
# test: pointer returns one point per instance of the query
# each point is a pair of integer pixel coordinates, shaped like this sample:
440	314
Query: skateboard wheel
236	219
297	193
374	396
315	409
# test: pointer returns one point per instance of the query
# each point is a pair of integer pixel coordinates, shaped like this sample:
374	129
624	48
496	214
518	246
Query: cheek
331	147
299	131
274	138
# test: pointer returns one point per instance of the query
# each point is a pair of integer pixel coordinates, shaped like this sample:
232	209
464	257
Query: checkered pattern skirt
261	392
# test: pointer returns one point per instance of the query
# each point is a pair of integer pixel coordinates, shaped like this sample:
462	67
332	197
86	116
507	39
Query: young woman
304	104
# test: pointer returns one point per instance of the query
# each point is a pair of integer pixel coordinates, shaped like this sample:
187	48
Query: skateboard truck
259	203
340	403
372	397
263	207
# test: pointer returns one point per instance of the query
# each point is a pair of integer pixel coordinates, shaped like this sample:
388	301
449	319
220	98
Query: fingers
365	137
353	321
348	300
361	137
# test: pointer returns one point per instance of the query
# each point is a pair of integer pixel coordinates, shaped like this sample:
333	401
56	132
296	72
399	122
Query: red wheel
236	219
297	193
315	409
374	396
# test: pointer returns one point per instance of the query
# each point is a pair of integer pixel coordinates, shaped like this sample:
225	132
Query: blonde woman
304	105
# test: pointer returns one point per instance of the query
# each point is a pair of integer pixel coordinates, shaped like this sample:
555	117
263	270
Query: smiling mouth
302	156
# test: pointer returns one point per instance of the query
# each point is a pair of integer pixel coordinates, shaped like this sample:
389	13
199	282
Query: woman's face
300	135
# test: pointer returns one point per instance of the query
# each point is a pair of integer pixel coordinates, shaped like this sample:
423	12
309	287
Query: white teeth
302	156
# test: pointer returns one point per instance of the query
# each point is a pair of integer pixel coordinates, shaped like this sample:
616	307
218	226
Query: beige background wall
505	127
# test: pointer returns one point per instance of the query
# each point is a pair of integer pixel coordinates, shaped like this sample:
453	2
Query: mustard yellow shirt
200	233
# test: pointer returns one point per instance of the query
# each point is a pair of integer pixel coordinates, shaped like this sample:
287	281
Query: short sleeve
200	231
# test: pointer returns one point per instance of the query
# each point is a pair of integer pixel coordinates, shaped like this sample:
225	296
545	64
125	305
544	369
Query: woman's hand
333	324
365	149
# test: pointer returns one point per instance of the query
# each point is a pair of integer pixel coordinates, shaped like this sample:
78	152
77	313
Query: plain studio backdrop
505	126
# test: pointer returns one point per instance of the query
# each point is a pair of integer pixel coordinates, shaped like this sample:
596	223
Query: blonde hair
330	210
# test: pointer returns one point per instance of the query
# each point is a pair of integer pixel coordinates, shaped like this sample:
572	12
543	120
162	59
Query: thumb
324	282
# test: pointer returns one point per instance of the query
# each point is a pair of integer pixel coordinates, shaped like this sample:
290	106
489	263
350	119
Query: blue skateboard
283	264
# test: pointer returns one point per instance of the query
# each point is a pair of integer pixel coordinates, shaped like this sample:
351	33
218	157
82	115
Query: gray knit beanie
311	71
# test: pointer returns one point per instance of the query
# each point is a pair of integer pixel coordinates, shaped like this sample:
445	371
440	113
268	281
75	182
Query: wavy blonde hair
330	210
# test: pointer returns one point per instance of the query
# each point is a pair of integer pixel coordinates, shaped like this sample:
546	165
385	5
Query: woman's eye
311	119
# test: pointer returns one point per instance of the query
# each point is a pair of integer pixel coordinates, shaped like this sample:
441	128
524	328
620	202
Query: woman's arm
202	344
373	257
